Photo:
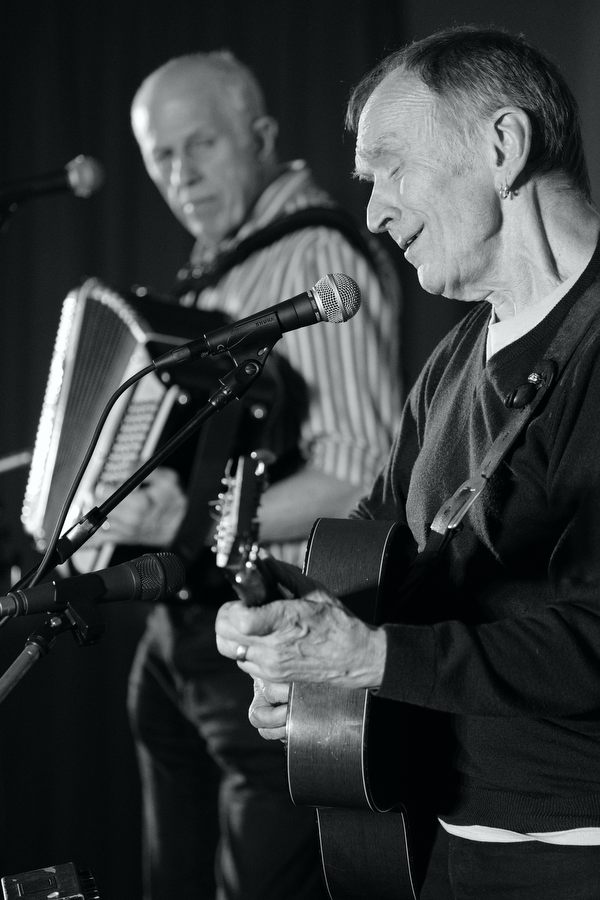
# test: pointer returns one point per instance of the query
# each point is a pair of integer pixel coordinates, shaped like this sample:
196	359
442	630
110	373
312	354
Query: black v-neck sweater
514	658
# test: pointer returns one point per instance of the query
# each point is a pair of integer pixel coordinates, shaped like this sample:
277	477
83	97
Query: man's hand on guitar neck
313	638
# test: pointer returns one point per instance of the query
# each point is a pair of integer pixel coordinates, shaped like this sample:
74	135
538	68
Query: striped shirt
351	370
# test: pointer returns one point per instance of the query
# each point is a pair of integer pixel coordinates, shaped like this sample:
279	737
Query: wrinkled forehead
400	112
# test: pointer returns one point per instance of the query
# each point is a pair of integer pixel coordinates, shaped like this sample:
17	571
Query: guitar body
328	758
355	756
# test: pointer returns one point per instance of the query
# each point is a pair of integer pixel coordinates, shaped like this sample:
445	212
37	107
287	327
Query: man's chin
429	281
204	231
434	283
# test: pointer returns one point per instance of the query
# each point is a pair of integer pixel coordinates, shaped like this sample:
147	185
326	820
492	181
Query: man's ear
265	131
511	135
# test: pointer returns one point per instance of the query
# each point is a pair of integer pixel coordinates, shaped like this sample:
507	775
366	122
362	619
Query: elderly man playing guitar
470	141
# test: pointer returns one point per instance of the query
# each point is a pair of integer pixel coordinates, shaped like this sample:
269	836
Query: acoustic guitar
350	754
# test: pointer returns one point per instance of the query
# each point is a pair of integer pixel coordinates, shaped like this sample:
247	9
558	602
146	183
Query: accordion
104	338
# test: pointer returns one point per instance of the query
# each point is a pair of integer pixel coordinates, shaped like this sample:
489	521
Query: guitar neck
253	584
237	546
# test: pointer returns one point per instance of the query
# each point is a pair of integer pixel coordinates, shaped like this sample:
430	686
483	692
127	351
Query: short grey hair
475	71
245	93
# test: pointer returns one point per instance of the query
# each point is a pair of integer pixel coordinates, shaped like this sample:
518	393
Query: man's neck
549	237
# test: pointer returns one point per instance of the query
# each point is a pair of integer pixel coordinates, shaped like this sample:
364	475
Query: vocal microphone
334	298
83	176
152	578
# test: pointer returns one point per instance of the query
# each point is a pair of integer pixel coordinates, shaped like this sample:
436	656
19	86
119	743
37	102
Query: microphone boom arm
233	386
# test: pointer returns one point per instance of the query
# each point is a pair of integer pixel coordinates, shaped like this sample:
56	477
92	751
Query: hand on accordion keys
149	516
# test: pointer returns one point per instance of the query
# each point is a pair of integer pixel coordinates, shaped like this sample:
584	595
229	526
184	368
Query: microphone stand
233	386
82	617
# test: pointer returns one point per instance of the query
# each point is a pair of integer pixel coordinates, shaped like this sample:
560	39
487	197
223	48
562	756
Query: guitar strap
579	327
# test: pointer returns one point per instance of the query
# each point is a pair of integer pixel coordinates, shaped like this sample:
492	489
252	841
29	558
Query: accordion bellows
103	339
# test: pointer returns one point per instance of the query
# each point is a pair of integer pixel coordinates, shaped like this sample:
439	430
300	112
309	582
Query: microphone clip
84	621
522	395
248	362
79	615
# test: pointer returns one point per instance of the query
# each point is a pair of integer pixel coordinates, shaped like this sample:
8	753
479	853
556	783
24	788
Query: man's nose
183	171
379	212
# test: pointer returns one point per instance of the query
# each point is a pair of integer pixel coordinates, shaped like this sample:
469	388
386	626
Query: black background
68	782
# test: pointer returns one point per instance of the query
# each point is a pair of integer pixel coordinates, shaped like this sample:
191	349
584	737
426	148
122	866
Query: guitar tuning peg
263	455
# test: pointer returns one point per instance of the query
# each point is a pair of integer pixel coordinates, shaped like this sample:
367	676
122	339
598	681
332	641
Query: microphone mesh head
338	297
160	574
85	175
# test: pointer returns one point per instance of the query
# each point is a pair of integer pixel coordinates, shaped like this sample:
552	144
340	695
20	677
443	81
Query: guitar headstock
237	534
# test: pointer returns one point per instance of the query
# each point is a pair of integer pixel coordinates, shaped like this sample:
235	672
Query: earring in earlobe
505	192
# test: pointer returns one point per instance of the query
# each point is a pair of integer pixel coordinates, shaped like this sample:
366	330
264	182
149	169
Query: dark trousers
217	818
473	870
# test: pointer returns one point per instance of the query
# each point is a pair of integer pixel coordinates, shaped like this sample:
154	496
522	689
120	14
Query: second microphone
151	578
